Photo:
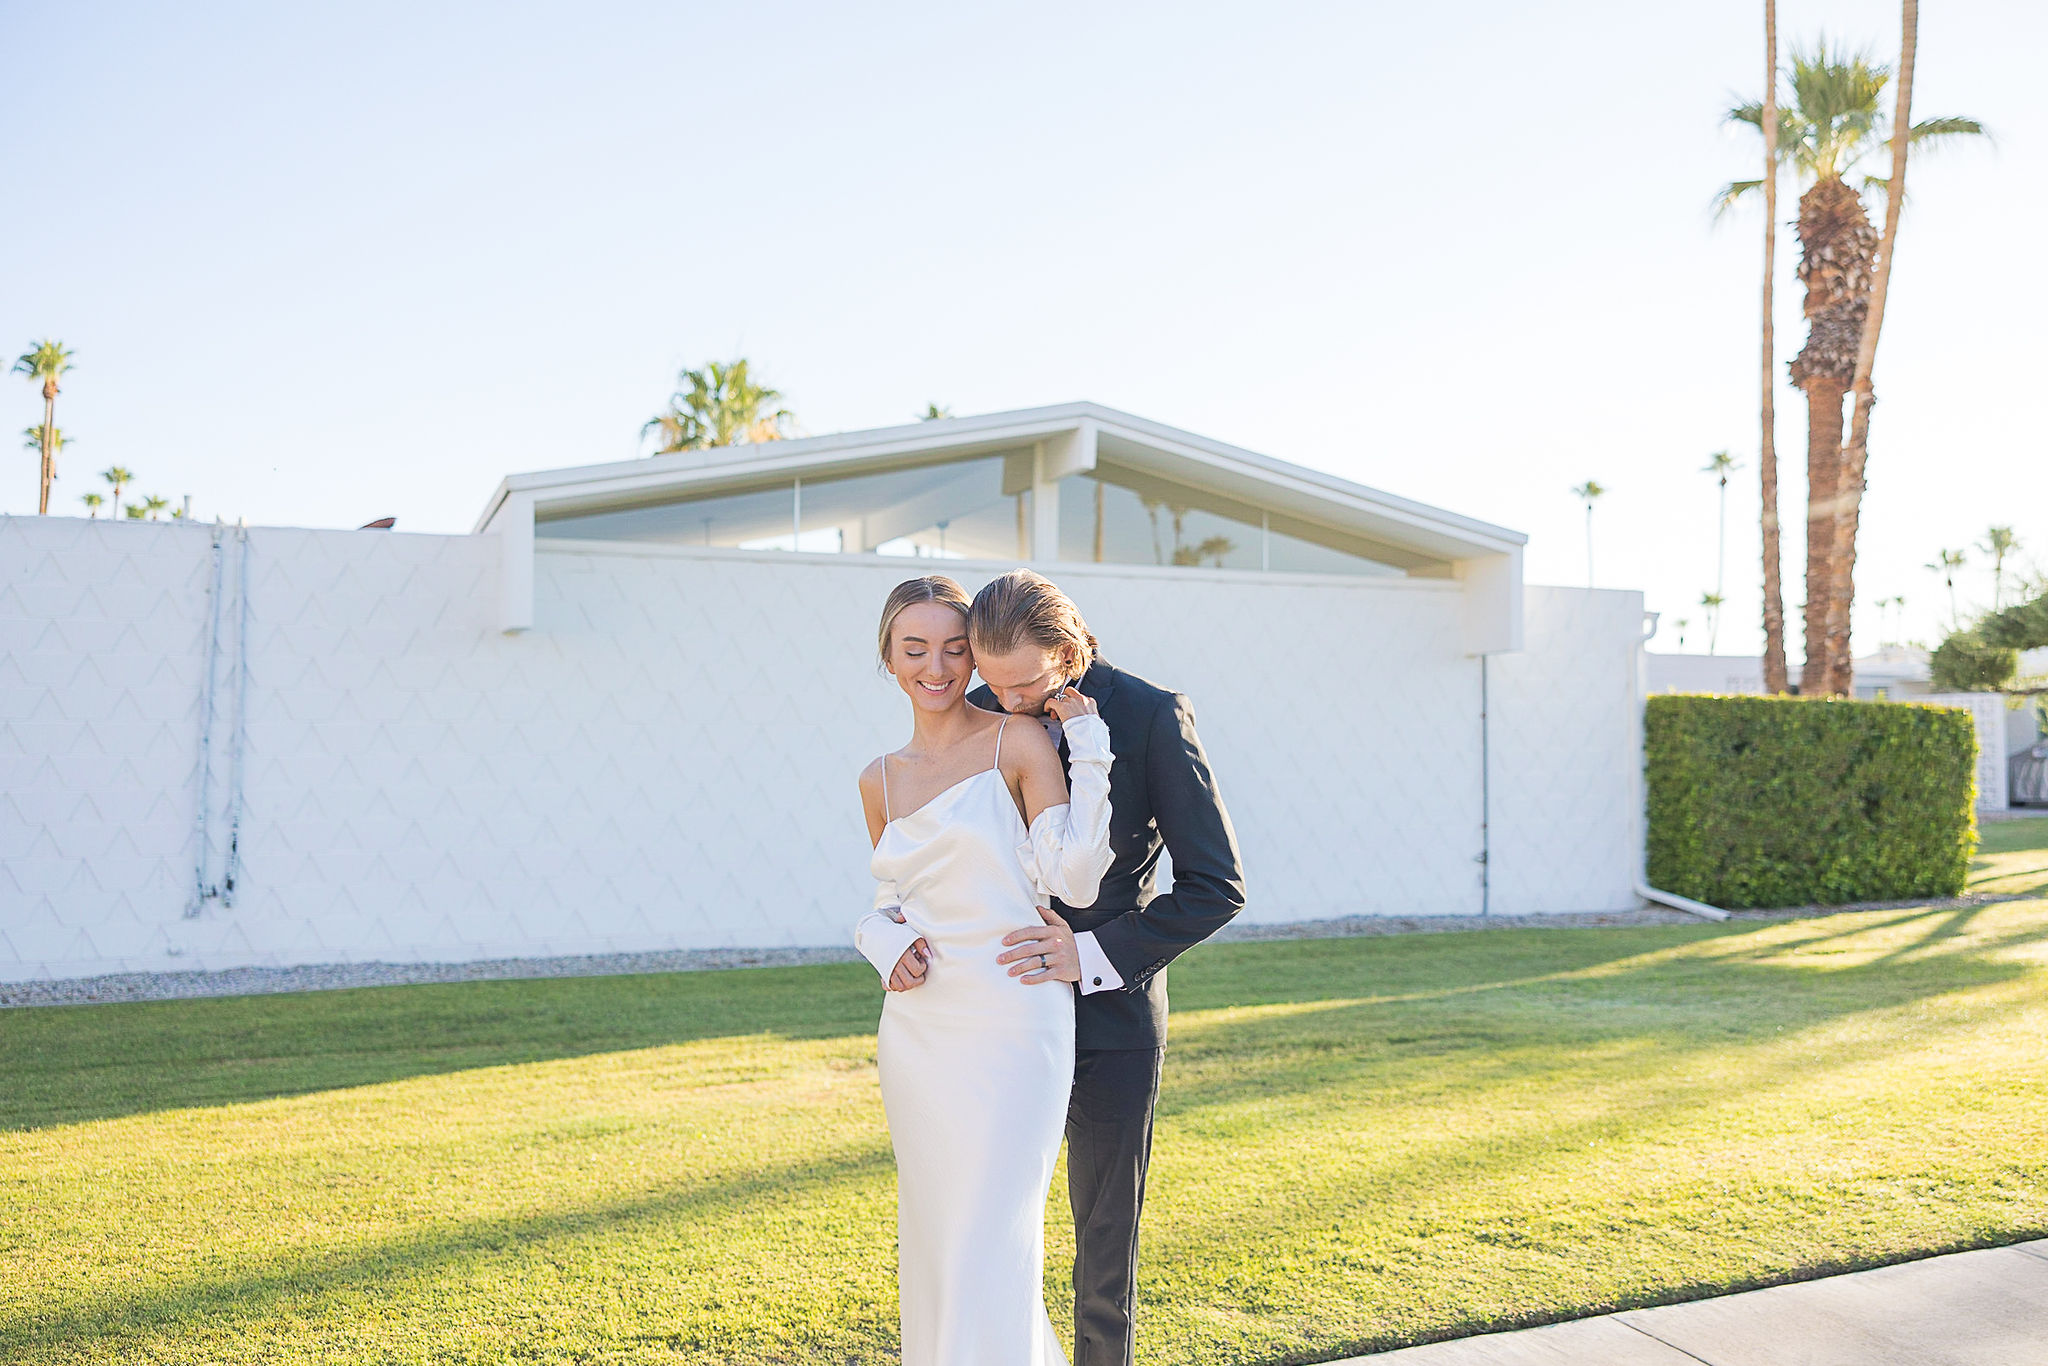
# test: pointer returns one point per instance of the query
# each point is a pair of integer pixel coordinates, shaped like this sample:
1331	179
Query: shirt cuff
882	941
1096	973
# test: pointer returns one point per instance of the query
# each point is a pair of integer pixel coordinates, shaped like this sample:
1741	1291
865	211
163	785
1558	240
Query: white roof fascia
840	452
1460	537
1245	474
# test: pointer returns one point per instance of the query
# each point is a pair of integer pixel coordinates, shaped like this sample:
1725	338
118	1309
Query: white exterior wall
1987	714
667	759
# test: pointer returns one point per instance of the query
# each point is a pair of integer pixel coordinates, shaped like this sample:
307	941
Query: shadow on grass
72	1064
117	1326
63	1065
1394	1018
1469	1036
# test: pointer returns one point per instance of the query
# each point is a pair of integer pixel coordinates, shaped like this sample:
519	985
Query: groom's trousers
1109	1145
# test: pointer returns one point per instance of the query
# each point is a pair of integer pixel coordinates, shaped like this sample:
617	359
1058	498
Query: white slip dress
975	1070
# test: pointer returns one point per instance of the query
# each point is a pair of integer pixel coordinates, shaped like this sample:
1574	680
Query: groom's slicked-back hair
1022	608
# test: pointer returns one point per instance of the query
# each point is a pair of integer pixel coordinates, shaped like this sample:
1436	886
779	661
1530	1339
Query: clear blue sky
327	264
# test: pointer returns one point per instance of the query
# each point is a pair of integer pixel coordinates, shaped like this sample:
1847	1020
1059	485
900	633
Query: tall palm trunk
1836	242
1823	486
49	430
1856	451
1776	676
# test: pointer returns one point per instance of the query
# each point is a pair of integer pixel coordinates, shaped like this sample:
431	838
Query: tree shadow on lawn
1637	1067
120	1325
64	1065
1573	1021
71	1064
1477	1025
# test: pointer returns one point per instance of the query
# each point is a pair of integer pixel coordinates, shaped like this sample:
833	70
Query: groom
1029	643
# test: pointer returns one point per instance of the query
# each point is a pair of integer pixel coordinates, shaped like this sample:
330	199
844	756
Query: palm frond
46	360
1726	197
1751	113
1933	133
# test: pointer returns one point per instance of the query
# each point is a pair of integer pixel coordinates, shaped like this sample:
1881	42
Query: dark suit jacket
1161	792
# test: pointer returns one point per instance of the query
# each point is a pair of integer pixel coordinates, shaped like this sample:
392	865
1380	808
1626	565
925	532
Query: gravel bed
254	981
169	986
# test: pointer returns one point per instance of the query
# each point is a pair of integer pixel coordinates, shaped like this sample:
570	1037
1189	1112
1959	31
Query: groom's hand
1053	940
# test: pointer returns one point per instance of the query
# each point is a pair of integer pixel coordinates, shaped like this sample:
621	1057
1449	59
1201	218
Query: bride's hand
912	966
1070	702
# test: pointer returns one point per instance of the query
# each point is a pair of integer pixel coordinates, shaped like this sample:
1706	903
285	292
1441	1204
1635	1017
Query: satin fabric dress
975	1071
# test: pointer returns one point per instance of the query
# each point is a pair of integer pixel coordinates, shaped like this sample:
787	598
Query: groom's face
1023	678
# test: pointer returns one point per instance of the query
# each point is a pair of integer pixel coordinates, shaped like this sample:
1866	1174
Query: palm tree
1712	602
117	476
933	412
1884	620
93	503
1946	566
1588	493
51	444
46	361
1836	119
1681	624
717	406
134	513
1856	450
1777	677
154	504
1720	464
1998	543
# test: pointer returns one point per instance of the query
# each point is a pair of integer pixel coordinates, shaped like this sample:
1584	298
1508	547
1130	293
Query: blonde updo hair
1023	608
930	588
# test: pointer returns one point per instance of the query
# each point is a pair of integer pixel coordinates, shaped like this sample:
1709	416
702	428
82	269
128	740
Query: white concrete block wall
667	759
1567	756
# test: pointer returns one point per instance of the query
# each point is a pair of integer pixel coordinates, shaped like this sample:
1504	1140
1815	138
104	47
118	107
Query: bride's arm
1067	848
881	935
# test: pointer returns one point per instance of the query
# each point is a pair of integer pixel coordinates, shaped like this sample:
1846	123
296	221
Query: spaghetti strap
999	741
885	789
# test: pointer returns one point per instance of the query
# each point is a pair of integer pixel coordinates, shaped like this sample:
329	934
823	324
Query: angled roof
1417	528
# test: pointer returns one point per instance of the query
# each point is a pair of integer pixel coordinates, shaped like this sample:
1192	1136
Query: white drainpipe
1643	888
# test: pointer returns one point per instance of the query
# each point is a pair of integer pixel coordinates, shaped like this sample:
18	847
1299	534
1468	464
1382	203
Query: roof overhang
1166	451
1069	438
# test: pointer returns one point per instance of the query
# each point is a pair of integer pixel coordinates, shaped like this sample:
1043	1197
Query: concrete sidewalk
1984	1308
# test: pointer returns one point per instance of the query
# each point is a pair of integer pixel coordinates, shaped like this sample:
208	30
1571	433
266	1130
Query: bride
973	835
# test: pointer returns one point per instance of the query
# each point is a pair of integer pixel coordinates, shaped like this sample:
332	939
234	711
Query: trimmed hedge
1786	801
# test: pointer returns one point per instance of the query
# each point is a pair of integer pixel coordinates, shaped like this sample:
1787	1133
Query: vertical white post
1265	541
1054	459
514	528
796	515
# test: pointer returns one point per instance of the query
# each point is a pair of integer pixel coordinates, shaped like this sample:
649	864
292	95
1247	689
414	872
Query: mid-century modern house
626	711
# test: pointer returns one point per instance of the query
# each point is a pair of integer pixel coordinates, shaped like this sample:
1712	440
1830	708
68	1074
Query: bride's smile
933	661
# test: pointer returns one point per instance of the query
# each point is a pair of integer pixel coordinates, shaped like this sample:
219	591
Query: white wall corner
1491	609
513	526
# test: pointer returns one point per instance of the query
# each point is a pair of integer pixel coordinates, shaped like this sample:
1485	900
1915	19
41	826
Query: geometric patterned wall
667	760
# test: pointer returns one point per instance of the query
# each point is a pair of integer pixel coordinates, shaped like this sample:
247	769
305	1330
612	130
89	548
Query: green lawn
1362	1143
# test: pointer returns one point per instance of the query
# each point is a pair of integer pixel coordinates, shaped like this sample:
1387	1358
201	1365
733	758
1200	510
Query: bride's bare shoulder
1025	740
